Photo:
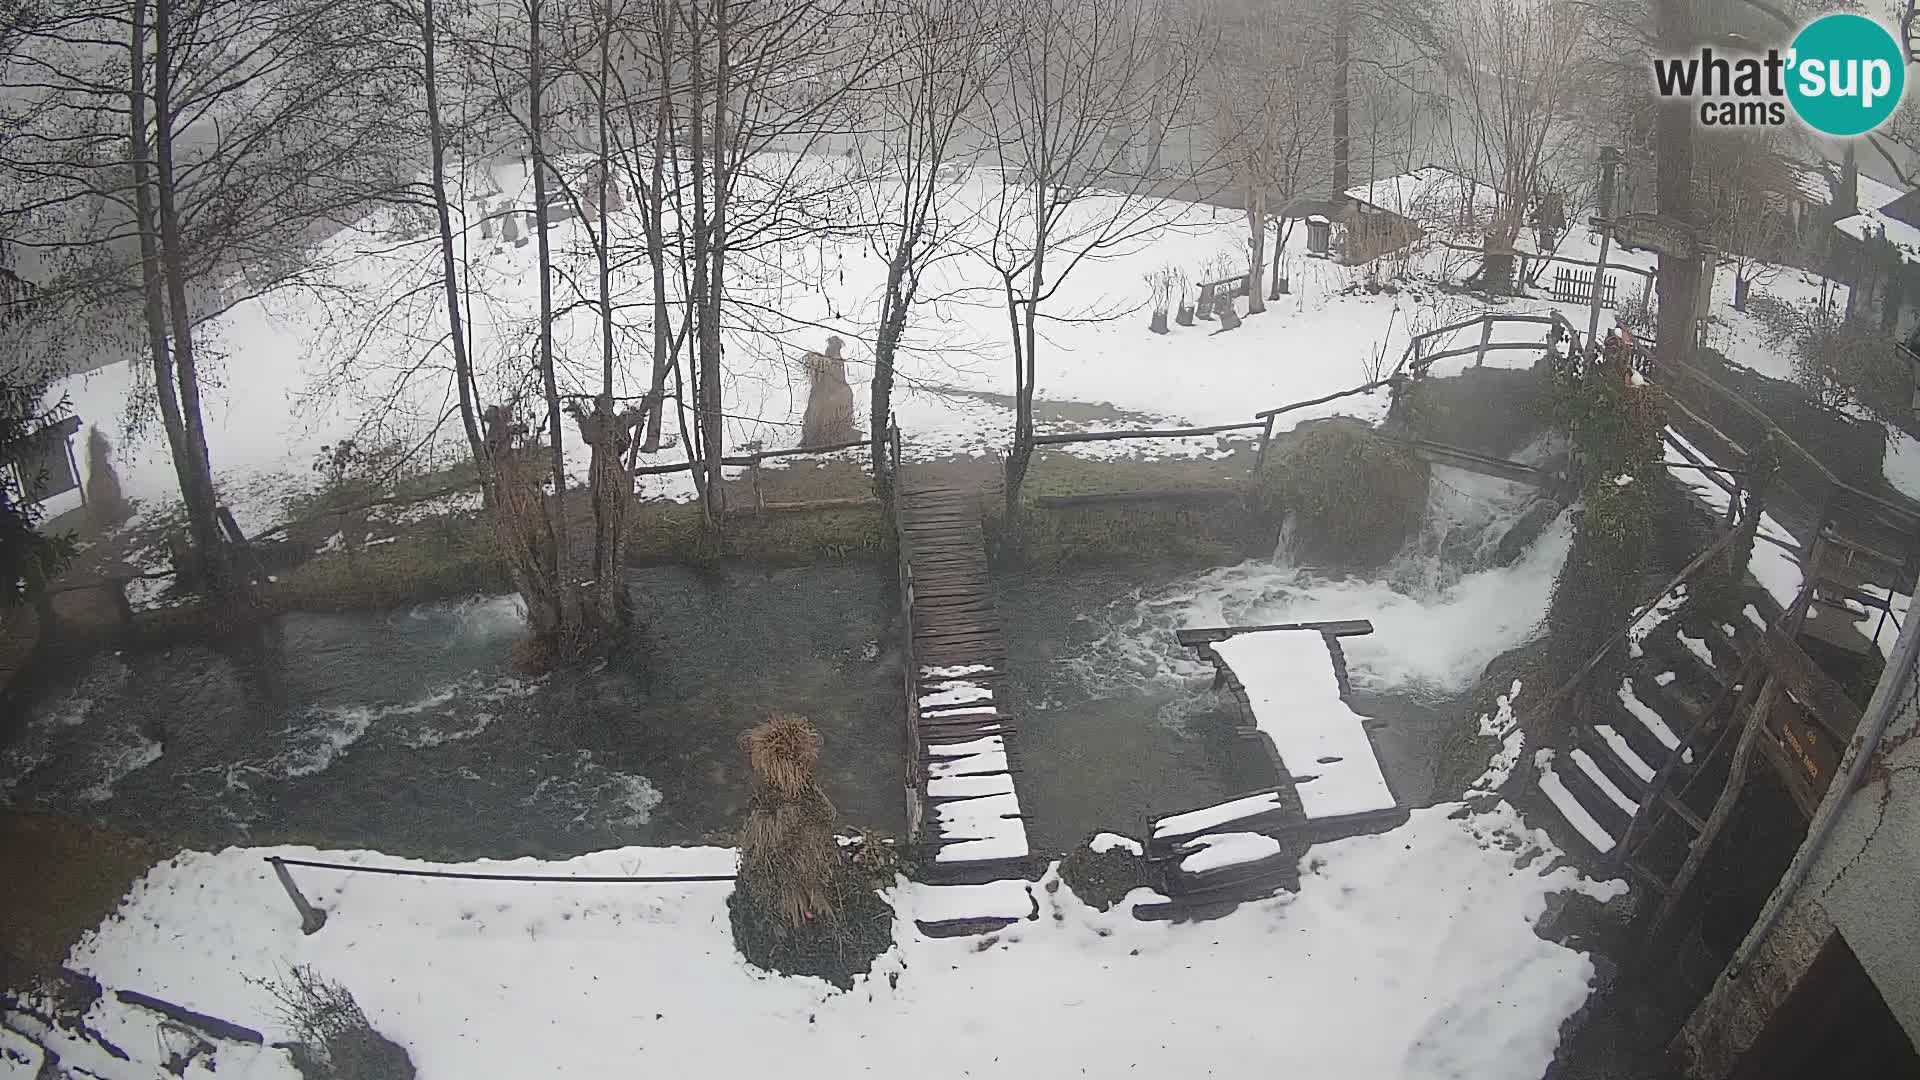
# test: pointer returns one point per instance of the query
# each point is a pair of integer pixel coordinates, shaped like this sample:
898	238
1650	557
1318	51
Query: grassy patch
444	558
1355	498
64	878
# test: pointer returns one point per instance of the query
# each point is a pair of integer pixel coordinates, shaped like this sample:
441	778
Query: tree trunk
1257	258
437	151
1740	287
1279	287
893	323
153	288
1678	280
197	472
713	428
612	485
656	201
1342	98
557	553
1024	318
706	391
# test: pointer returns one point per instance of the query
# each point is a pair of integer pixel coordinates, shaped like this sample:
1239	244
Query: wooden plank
1199	635
1810	686
1722	810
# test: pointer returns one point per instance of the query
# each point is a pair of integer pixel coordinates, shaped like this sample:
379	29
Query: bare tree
1743	188
1270	93
1511	62
220	139
1070	119
947	52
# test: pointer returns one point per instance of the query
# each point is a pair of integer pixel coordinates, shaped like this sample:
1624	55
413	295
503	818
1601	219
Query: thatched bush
800	907
106	500
1354	497
787	853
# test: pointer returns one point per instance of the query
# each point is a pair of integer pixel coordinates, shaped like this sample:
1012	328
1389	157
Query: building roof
1905	237
1430	195
1817	183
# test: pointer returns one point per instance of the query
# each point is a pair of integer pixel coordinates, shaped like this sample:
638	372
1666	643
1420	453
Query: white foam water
597	795
451	713
1441	609
477	618
119	750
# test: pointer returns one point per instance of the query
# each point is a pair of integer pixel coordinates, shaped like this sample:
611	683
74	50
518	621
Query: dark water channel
1119	725
407	730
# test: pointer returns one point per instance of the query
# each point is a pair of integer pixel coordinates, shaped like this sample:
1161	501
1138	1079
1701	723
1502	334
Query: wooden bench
1211	291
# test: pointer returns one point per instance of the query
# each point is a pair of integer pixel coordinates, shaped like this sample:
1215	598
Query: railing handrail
1739	401
1064	438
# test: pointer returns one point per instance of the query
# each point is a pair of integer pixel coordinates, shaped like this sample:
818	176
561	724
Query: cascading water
1441	609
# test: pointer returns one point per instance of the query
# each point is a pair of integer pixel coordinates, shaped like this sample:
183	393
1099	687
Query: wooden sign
1658	234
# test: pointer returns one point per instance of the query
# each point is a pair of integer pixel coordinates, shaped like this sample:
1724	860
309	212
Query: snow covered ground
365	357
1408	954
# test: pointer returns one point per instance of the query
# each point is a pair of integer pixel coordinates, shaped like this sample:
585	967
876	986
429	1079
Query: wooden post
1486	336
1722	808
759	497
73	466
1266	437
311	918
1599	279
121	605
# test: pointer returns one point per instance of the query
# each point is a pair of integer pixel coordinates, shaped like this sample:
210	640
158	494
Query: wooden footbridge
962	800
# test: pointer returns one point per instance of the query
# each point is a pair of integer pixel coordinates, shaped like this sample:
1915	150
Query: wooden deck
962	800
1216	885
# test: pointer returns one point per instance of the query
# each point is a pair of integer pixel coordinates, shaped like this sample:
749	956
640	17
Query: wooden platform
963	802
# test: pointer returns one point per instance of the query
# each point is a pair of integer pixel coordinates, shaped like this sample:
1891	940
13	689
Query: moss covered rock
835	948
1102	879
1354	498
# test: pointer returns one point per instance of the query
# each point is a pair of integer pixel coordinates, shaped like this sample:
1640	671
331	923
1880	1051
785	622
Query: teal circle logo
1847	74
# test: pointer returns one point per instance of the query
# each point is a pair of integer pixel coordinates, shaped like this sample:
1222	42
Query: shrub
1102	879
333	1039
1843	363
1355	497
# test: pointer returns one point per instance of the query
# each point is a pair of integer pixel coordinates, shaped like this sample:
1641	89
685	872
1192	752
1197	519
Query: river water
407	731
1122	726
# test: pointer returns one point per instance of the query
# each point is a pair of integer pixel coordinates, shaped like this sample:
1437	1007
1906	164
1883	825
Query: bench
1211	290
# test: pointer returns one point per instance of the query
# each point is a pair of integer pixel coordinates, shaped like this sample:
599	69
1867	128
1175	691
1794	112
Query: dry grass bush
1355	498
800	908
788	857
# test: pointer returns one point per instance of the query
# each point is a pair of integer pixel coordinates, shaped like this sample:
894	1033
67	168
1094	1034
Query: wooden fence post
759	497
1266	436
1486	336
311	918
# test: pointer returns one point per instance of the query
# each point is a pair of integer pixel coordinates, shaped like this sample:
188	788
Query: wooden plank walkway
963	802
1262	834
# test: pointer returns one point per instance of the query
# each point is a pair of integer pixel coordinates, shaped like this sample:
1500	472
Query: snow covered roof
1817	185
1295	694
1429	195
1904	236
